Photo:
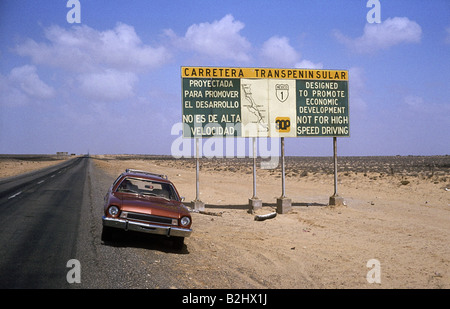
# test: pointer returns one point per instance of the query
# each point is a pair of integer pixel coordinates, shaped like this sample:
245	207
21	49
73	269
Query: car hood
153	205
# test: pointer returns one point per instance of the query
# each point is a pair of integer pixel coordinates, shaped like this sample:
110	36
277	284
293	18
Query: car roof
145	174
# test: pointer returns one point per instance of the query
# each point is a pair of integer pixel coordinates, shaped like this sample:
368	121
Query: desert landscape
397	211
12	165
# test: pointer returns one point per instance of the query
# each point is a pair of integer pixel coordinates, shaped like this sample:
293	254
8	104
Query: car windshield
147	187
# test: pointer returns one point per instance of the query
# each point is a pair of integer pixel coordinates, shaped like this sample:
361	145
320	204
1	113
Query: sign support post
284	204
198	204
254	203
335	199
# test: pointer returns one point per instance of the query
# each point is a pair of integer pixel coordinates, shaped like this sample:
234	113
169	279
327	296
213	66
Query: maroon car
148	203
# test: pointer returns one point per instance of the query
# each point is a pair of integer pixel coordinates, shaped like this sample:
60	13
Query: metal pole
197	172
335	200
335	165
254	168
284	204
283	191
254	203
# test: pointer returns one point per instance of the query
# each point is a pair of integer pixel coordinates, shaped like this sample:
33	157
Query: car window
147	187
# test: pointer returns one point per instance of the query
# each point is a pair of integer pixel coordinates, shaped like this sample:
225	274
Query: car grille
149	218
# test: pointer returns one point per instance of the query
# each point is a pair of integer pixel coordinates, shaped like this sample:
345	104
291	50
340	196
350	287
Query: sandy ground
398	214
401	219
14	166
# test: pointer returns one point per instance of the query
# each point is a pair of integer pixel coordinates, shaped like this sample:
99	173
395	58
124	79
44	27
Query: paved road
54	217
38	225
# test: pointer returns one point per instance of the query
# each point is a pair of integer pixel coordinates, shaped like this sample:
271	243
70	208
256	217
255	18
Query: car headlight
113	211
185	221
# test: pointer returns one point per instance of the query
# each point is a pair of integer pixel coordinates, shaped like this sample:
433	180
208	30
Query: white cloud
447	35
277	51
357	89
26	78
105	64
84	49
391	32
220	39
419	105
23	85
306	64
414	102
11	95
107	86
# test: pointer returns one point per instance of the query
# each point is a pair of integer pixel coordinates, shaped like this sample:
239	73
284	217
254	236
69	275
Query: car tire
178	243
107	233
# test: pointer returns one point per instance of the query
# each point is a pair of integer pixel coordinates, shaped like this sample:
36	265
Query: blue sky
111	84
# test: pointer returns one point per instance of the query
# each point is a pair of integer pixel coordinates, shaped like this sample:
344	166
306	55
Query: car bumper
128	225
